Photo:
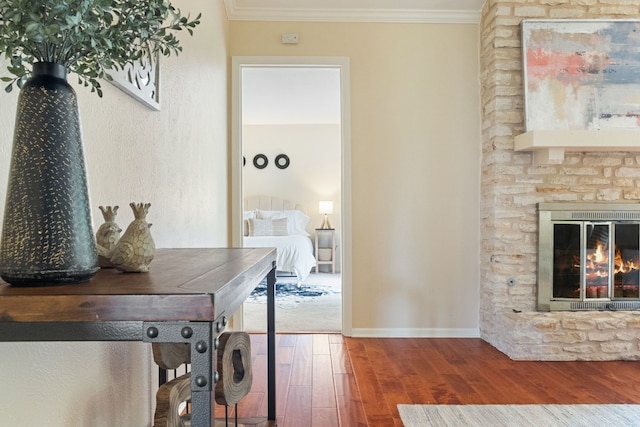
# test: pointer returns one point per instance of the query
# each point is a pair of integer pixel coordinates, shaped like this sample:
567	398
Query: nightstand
325	248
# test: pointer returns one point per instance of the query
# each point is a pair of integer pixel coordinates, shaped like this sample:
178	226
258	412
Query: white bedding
294	253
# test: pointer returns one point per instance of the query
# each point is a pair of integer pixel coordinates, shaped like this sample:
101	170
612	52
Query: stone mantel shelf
548	146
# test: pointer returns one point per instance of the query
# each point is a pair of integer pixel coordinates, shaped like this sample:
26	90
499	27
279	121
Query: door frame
342	63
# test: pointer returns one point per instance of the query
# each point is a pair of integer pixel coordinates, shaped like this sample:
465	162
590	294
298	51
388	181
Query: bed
273	222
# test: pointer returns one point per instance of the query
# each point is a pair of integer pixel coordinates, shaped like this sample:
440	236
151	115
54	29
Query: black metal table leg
271	345
200	336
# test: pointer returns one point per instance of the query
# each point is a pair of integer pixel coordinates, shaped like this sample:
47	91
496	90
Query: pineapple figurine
107	235
135	249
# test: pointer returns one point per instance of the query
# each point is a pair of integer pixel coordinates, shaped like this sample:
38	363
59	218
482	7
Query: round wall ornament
282	161
260	161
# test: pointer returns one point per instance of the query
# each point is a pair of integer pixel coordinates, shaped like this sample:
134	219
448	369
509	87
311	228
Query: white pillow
267	227
297	224
246	215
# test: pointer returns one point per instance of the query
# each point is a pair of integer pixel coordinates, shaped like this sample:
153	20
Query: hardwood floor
327	380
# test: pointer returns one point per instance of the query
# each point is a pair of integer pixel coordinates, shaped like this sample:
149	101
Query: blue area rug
289	295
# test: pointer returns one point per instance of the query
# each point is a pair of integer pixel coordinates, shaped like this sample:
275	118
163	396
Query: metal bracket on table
202	336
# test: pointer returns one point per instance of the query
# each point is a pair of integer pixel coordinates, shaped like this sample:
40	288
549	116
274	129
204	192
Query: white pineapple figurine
135	249
107	235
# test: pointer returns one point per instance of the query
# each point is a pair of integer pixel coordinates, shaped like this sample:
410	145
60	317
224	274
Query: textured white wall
176	159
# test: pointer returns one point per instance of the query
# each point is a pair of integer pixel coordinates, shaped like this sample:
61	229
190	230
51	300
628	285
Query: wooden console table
187	297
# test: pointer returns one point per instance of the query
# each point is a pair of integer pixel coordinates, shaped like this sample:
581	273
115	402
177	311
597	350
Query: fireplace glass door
588	256
596	260
626	261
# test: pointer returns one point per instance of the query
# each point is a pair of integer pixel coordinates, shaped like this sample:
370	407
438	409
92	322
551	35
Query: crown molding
235	13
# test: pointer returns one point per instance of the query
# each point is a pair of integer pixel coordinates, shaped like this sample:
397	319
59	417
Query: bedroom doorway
291	142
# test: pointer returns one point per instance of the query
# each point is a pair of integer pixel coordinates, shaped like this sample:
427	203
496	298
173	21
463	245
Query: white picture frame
140	80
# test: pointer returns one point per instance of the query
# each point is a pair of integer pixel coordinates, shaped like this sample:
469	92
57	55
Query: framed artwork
581	74
141	80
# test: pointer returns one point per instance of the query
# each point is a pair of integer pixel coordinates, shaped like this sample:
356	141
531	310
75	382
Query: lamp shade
325	207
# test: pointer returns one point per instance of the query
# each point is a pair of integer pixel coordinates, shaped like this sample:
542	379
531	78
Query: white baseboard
415	333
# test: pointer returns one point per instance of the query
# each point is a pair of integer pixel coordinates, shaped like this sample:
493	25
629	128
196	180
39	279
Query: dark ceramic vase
46	235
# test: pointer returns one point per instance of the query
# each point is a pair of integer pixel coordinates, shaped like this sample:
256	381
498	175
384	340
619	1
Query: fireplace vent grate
606	215
606	305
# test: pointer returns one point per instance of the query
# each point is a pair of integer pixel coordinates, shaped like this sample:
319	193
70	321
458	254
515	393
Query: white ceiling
458	11
290	95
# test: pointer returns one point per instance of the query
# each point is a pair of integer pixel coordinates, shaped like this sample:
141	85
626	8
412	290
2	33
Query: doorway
253	125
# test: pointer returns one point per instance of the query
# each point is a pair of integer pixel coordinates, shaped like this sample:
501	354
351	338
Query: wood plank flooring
327	380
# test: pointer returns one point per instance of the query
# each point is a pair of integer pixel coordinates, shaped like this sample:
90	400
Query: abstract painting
581	74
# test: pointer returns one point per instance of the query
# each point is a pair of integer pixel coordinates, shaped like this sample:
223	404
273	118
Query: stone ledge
549	146
560	335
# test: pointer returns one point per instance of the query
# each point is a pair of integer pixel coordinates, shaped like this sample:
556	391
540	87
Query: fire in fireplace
589	256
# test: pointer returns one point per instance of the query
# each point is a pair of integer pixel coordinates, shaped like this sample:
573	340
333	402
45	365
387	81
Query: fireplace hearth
589	256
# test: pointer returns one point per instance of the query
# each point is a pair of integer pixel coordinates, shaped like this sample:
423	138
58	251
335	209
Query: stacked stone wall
512	187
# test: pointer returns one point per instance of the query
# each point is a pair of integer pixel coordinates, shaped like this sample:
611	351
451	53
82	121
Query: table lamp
325	207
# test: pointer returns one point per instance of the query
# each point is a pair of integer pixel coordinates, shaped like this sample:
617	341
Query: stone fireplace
512	187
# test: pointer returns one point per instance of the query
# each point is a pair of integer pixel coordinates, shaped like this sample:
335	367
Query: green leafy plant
88	37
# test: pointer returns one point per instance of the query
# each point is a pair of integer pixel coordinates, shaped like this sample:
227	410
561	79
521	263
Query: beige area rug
520	415
295	314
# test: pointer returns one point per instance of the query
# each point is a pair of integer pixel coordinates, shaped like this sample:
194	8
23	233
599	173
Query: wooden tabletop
182	284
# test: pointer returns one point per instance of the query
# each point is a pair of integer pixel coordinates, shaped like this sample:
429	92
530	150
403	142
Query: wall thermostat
290	38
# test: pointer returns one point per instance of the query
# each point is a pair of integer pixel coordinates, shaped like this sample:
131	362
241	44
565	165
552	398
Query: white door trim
240	62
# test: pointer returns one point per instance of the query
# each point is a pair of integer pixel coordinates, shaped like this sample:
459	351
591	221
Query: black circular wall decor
260	161
282	161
